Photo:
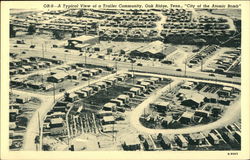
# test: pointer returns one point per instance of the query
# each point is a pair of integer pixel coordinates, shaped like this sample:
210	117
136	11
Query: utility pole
116	67
185	68
201	65
113	137
132	66
54	94
42	50
85	58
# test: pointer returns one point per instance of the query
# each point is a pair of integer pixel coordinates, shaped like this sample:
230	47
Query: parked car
61	90
178	69
32	46
212	75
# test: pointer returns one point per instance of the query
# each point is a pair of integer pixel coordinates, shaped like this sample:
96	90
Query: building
153	50
81	94
103	85
82	42
60	108
124	98
186	117
58	77
160	106
96	88
146	85
47	86
237	136
213	139
56	122
196	139
187	85
167	121
103	113
108	120
109	107
130	94
202	113
225	91
165	142
193	100
149	144
131	144
109	128
117	102
88	90
181	141
71	97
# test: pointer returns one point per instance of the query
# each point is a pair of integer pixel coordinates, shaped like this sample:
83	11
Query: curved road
230	115
46	105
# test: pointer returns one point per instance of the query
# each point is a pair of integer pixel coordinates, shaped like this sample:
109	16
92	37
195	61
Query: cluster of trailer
228	137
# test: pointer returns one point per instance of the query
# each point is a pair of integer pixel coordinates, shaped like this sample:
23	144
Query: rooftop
56	120
188	114
108	119
109	105
82	38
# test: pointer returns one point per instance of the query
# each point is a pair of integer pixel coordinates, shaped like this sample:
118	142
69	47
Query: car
61	90
212	75
15	46
80	54
32	46
178	69
139	64
23	52
53	56
66	50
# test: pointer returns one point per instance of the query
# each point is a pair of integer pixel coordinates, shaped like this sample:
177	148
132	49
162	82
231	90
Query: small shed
56	122
135	90
181	141
186	117
72	97
108	120
160	106
109	107
132	144
81	94
124	98
213	139
196	139
88	90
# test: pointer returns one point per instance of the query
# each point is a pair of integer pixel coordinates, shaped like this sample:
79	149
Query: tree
12	31
58	34
31	29
73	35
79	13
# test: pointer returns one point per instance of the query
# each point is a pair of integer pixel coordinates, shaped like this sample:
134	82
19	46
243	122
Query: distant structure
156	49
82	42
